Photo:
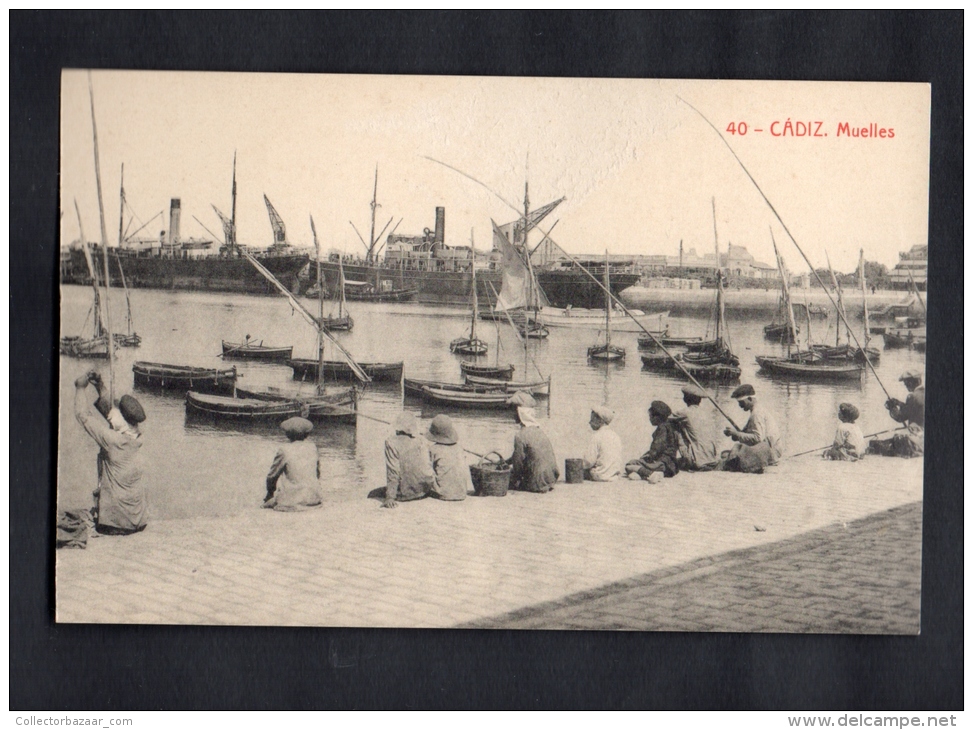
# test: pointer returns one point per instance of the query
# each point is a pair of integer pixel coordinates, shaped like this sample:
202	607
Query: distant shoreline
746	301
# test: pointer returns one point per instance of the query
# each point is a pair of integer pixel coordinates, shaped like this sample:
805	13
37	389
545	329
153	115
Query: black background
152	667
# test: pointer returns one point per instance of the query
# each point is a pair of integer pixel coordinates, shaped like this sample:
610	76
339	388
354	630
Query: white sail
517	290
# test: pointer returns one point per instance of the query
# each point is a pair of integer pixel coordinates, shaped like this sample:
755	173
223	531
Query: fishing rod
388	423
866	436
790	235
603	288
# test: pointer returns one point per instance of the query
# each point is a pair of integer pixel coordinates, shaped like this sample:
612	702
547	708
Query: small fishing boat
467	398
368	293
84	347
906	332
810	366
255	351
183	377
497	372
471	345
535	331
782	328
129	338
593	319
342	322
306	370
847	353
538	387
608	351
263	406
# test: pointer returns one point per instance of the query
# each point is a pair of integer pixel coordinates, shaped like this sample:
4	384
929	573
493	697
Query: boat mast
121	240
719	274
476	301
99	331
785	290
840	305
861	281
341	300
317	256
104	248
530	269
608	308
807	314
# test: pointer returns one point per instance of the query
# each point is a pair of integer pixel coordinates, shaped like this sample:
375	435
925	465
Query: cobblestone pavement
861	578
441	564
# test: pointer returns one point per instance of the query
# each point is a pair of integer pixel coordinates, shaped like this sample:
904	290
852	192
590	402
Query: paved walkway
861	578
438	564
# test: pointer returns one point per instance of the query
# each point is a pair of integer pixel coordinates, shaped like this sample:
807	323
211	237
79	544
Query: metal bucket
574	471
491	478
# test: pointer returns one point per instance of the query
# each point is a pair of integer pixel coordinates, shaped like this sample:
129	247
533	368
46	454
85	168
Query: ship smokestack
174	211
440	225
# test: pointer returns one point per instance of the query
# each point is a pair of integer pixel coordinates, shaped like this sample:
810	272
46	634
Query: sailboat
333	406
343	322
847	352
708	360
471	345
807	364
130	338
608	351
95	346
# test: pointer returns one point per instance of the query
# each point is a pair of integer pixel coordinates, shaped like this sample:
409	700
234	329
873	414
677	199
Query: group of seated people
433	464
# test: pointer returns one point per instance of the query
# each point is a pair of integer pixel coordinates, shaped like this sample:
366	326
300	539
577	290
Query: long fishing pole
866	436
388	423
602	287
793	240
104	250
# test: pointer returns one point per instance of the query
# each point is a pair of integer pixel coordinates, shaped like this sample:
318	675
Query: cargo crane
277	223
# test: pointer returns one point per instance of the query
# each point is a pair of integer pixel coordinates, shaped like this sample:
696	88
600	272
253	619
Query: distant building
737	260
913	262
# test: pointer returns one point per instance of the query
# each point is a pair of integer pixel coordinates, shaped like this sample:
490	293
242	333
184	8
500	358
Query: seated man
292	482
660	460
912	413
603	459
452	480
408	467
533	461
759	443
697	452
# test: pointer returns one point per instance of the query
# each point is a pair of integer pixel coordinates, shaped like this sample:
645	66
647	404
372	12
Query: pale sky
639	168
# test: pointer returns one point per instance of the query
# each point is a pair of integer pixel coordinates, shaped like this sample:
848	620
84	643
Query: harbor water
207	469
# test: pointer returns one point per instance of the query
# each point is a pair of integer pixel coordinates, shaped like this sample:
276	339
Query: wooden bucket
574	471
491	478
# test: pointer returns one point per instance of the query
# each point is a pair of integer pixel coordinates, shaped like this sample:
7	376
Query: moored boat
809	366
84	347
414	386
607	352
466	398
183	377
498	372
255	351
263	406
306	370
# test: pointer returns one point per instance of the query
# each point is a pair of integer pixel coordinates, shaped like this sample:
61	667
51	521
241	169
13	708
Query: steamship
442	274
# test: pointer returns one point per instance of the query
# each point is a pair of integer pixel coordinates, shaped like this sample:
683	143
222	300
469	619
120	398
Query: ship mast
840	306
719	275
99	330
374	205
785	289
861	279
530	269
608	308
233	204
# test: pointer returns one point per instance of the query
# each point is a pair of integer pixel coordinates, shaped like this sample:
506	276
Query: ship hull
563	288
211	273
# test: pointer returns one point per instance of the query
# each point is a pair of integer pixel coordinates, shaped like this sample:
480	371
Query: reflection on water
197	468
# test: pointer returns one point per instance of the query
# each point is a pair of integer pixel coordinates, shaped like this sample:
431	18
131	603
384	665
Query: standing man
603	459
759	444
912	414
697	451
120	502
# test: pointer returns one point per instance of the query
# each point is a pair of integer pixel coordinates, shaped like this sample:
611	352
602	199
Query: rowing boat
497	372
414	387
811	366
183	377
306	370
250	351
87	348
466	399
263	406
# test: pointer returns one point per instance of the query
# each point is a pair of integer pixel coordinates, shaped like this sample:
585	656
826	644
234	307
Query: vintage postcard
442	352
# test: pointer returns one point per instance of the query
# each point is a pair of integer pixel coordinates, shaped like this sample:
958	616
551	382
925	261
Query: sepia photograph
491	352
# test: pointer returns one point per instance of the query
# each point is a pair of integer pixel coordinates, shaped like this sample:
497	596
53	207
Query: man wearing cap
452	480
758	445
533	461
408	470
292	482
120	505
660	460
912	414
697	452
603	459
